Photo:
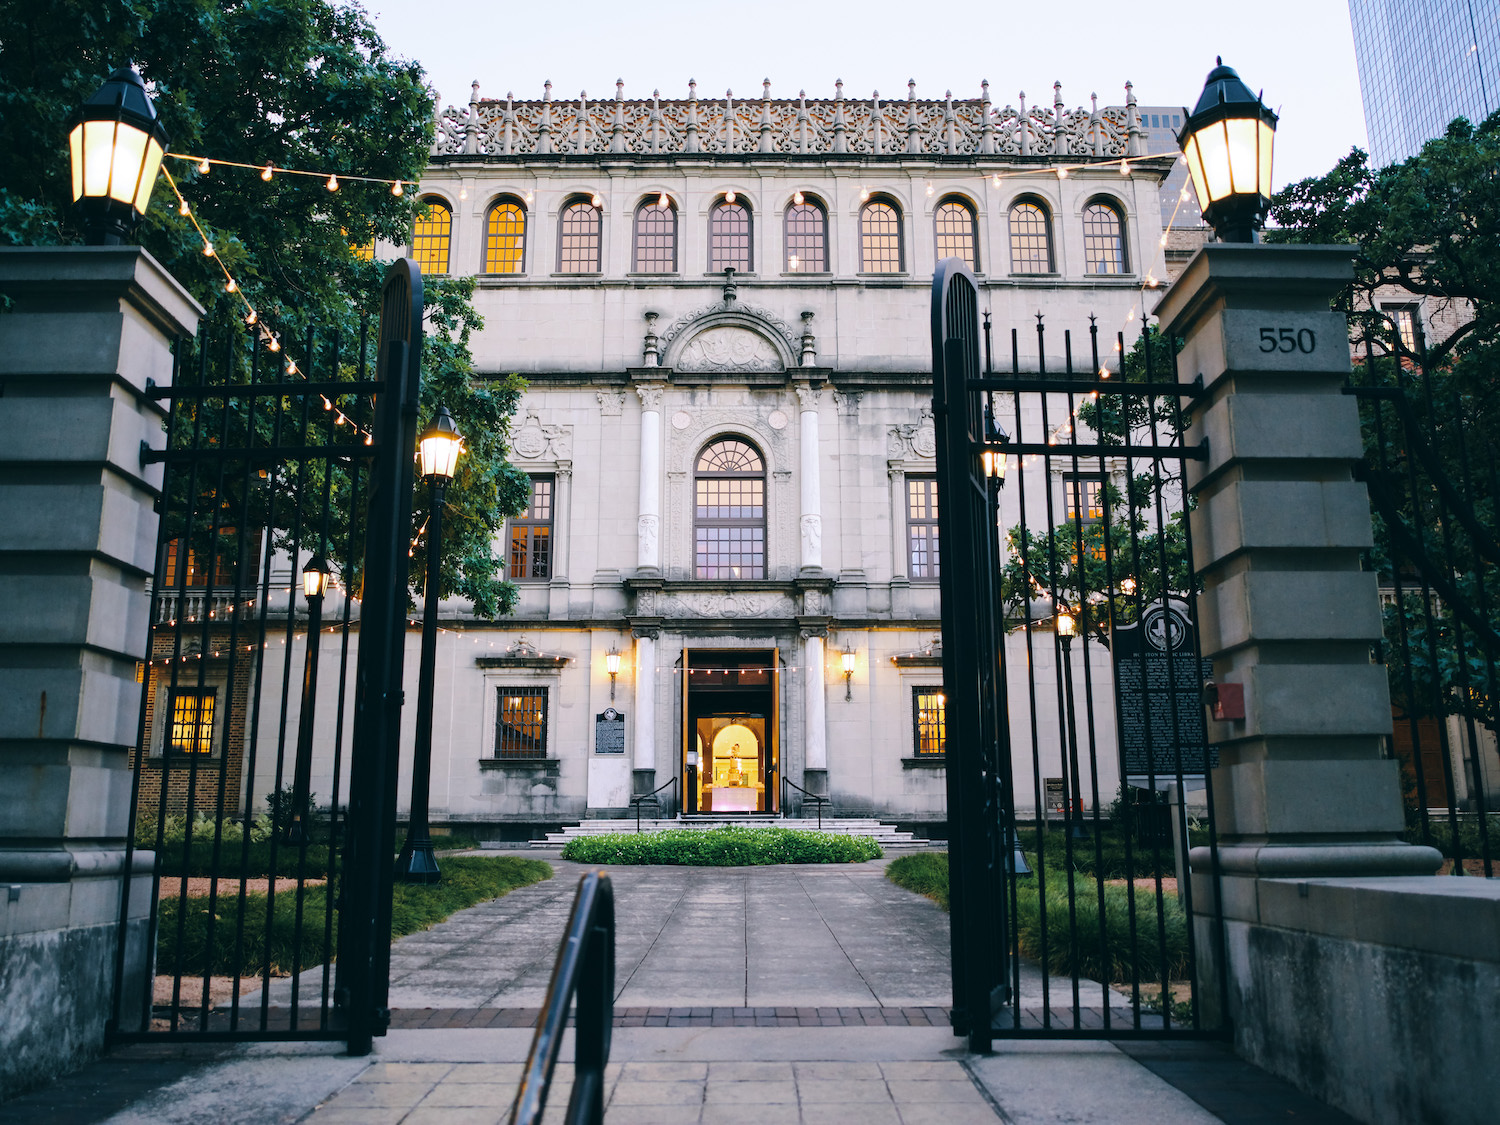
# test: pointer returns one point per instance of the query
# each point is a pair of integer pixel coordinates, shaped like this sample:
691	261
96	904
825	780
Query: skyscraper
1421	64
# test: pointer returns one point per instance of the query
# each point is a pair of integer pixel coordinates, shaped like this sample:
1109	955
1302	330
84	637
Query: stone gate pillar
88	328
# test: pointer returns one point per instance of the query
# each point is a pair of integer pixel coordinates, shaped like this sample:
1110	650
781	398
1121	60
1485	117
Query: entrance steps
886	835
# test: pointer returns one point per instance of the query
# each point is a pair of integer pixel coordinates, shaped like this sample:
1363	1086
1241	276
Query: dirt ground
171	886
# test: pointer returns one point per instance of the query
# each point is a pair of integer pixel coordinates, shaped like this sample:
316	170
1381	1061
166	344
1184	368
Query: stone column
1301	789
88	329
562	538
648	528
811	486
815	708
645	701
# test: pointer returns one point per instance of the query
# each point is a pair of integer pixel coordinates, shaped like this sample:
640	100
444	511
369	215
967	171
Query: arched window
879	237
655	238
1030	238
806	238
1103	240
505	238
729	513
957	232
578	238
729	237
430	237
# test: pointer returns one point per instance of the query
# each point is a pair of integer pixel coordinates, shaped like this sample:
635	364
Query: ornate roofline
803	126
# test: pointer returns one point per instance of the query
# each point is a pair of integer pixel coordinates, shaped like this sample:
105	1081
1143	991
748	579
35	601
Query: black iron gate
263	803
1076	737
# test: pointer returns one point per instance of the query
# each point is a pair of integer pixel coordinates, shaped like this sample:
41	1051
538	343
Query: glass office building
1421	64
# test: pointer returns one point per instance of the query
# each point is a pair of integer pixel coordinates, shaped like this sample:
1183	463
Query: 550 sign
1288	340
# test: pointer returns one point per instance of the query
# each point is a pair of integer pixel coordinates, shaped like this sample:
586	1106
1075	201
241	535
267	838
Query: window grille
922	526
578	238
192	730
956	233
1103	240
879	238
430	237
929	734
520	723
1404	320
729	238
531	534
729	526
1030	239
505	238
656	239
806	239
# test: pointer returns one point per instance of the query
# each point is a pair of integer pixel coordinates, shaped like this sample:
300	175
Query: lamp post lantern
438	447
314	586
848	659
115	146
612	666
1228	141
1067	629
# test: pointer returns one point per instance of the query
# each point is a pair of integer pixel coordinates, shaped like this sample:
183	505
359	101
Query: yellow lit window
505	239
928	720
192	721
430	237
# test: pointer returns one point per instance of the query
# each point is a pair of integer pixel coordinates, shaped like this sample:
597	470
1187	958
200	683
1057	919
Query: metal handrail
817	798
637	802
585	966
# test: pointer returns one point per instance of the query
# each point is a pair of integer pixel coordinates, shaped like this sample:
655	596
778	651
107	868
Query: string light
203	166
269	169
184	209
208	249
798	198
664	202
995	180
266	175
929	189
333	183
463	193
530	195
864	195
729	196
396	188
231	286
595	200
1062	172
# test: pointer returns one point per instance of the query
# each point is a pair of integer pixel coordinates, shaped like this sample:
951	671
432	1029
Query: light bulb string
252	316
276	169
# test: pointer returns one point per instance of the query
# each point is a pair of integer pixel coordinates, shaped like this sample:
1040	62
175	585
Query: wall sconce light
848	673
612	663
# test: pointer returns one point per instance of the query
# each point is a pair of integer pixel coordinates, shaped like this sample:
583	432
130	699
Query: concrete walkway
764	983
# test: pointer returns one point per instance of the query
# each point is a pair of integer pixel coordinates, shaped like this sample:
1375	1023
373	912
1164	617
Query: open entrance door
729	746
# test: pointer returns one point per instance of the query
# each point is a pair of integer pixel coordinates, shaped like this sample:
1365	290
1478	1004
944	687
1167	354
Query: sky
1300	52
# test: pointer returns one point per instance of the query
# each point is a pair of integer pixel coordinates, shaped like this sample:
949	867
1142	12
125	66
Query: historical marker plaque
609	732
1158	696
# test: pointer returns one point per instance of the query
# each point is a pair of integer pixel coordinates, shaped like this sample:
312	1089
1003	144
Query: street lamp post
115	146
314	586
439	448
1228	140
1067	628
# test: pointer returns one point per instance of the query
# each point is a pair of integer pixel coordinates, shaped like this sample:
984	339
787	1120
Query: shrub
925	873
727	846
273	935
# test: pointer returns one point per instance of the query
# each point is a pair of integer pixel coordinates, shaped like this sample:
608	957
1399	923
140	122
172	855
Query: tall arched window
879	237
578	238
1103	239
957	233
1030	238
430	237
655	238
729	512
729	237
505	238
806	238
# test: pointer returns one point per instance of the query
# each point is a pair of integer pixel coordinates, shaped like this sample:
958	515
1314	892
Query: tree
297	84
1429	226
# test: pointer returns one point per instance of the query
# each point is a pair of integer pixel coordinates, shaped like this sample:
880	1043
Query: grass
1109	955
729	846
273	937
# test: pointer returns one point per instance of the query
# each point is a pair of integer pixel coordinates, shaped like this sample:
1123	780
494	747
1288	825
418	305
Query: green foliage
300	84
1440	834
271	934
1107	955
254	861
925	873
729	846
174	830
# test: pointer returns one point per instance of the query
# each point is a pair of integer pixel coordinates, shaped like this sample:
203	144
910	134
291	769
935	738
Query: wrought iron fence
1096	752
1430	438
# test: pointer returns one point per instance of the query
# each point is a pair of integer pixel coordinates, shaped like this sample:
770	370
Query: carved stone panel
726	605
728	350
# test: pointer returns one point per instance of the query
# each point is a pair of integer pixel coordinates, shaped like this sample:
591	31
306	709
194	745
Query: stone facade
636	367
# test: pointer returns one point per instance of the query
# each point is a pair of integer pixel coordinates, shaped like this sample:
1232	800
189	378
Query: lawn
729	846
271	935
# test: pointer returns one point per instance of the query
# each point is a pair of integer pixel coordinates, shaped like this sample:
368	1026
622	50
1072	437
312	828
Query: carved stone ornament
681	420
728	350
812	536
737	315
778	420
535	440
726	605
650	395
916	440
611	403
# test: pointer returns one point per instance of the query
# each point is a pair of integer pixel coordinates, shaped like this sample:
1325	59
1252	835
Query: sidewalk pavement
743	996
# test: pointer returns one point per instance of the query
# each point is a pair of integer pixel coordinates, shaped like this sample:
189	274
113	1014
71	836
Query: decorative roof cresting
874	126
